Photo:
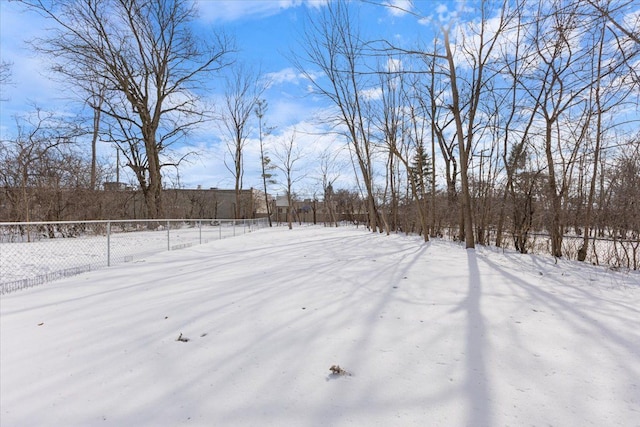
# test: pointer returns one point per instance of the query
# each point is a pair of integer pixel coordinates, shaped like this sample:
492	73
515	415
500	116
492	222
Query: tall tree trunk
238	179
154	194
582	252
466	220
556	205
94	141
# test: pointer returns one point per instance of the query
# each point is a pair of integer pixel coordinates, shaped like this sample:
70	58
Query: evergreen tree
420	170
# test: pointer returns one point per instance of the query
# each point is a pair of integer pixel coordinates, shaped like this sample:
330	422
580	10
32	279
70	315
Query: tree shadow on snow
476	384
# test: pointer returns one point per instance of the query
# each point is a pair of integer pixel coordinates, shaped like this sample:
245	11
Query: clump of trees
43	174
525	106
141	69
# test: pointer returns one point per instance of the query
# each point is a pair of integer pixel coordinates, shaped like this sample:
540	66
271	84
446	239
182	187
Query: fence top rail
105	221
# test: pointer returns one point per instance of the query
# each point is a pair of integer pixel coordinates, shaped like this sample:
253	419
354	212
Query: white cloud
399	7
371	94
442	9
232	10
286	75
427	20
315	4
394	65
445	15
217	10
208	169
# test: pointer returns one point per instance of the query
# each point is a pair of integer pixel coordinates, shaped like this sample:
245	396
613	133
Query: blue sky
266	32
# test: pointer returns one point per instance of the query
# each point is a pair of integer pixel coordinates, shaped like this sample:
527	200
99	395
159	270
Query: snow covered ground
432	335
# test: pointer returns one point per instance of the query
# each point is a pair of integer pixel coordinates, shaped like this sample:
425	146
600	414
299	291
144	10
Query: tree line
528	108
513	118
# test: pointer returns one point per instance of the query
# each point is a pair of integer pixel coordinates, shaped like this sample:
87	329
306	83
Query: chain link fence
615	253
34	253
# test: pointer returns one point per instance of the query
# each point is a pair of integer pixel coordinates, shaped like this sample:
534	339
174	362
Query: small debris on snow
337	370
204	334
182	339
41	323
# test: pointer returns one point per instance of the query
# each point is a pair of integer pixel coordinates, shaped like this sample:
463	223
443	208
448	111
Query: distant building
121	201
213	203
116	186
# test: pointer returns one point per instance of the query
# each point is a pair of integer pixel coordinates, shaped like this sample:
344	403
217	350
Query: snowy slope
432	334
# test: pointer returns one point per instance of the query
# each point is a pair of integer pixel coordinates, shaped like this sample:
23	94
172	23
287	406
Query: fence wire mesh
613	252
39	252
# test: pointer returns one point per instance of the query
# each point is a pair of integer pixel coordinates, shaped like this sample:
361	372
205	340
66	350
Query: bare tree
36	162
598	109
387	118
288	154
402	125
477	45
608	93
557	87
95	102
619	211
431	110
464	145
513	129
5	77
614	15
152	66
329	173
243	90
265	161
429	100
332	43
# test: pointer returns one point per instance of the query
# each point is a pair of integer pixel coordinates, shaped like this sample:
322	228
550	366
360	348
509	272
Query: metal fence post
108	243
200	231
168	237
